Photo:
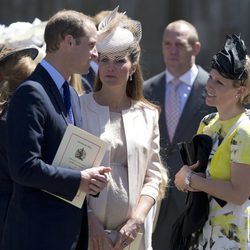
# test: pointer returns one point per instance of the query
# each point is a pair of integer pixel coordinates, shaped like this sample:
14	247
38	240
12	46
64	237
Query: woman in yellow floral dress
228	172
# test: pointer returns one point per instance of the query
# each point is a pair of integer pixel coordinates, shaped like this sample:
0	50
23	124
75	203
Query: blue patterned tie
67	102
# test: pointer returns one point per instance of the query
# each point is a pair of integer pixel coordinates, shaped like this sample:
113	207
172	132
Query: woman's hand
97	236
128	233
180	177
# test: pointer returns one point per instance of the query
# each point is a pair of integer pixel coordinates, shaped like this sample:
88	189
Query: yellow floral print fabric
228	225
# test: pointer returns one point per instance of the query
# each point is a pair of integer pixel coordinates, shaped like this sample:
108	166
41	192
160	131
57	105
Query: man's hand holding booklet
81	150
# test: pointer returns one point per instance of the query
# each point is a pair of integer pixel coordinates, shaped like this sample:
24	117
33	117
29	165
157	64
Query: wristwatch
188	178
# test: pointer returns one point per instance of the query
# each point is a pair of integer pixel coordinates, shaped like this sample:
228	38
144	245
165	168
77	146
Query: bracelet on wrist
188	178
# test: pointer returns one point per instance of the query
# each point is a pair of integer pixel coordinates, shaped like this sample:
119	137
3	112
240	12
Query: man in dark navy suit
37	119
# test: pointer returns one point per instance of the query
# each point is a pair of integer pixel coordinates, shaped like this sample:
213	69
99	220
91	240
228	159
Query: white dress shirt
187	80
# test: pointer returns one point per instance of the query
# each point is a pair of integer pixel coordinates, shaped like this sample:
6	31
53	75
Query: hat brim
30	51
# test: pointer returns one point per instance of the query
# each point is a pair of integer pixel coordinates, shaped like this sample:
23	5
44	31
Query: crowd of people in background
86	72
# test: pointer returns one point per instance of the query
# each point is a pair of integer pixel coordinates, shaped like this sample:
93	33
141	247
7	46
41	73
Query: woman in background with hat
228	171
118	113
15	66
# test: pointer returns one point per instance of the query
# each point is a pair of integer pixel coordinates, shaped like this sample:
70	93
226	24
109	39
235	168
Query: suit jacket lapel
99	122
50	85
160	92
194	102
130	122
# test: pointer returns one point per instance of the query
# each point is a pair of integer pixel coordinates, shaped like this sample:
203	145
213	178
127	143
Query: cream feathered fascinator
118	34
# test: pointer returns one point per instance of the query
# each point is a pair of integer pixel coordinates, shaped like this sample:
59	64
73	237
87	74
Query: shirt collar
187	78
55	75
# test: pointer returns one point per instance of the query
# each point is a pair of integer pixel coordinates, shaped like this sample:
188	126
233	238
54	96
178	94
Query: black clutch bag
196	212
198	149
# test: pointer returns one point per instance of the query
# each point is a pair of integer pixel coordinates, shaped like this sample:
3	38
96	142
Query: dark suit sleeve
154	89
28	132
4	172
147	90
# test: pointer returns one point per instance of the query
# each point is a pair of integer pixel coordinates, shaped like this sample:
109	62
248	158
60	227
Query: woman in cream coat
117	113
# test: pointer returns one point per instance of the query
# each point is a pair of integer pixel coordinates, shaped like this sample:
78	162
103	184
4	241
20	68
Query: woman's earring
130	78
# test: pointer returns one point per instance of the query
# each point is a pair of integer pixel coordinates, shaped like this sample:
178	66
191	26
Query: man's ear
68	40
196	48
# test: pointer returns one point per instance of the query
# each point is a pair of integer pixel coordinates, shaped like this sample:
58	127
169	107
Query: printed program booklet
79	150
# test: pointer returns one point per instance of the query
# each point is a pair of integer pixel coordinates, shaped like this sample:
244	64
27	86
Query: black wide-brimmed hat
6	53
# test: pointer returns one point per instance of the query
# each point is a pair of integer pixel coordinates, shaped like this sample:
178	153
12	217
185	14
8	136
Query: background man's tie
173	107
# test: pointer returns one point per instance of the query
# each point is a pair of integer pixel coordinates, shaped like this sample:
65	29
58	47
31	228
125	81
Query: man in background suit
180	116
88	79
38	115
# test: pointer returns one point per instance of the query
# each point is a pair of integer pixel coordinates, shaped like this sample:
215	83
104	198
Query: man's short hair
65	22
